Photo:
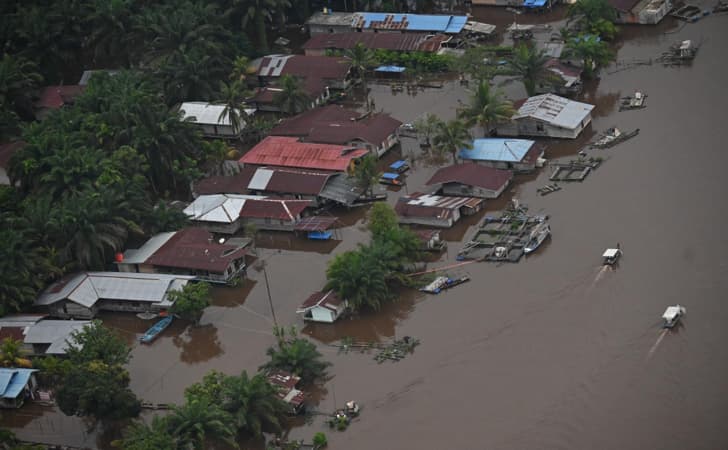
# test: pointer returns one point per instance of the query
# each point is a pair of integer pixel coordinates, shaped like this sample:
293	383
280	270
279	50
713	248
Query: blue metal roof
398	164
390	176
12	381
418	22
497	149
393	69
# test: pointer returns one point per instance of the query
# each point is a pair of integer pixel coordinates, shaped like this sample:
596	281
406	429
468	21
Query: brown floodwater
551	353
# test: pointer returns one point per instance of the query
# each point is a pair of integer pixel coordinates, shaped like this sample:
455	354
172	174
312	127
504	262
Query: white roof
672	312
87	288
479	27
138	256
55	333
557	111
260	179
221	208
610	253
208	113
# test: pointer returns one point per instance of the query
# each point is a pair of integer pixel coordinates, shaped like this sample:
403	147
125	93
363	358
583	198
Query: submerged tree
530	65
593	52
366	173
451	137
487	108
299	357
154	436
196	421
253	404
426	126
190	302
595	16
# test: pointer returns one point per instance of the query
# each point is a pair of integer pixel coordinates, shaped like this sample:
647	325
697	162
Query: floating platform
548	189
575	172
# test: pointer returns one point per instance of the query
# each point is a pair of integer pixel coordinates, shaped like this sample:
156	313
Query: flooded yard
551	353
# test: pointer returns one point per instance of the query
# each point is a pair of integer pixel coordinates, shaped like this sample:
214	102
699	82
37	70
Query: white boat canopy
672	312
610	253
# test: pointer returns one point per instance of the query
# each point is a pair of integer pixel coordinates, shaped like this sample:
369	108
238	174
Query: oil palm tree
297	356
140	436
361	59
451	136
109	22
487	107
291	98
197	421
253	404
360	280
232	95
257	13
530	65
19	78
593	52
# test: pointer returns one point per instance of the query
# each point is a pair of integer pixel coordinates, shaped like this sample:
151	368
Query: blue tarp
14	380
417	22
398	164
390	176
497	149
320	235
534	3
390	69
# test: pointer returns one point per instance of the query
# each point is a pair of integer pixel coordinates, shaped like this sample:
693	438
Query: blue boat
391	178
399	166
156	330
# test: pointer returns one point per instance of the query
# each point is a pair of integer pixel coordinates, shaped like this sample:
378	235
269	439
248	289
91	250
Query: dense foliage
417	61
190	301
297	356
487	107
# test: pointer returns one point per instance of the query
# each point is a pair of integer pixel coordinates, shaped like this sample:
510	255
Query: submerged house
286	385
320	44
15	386
228	213
84	294
548	115
470	179
518	155
318	75
646	12
38	335
209	118
323	307
435	210
284	151
333	124
561	78
190	251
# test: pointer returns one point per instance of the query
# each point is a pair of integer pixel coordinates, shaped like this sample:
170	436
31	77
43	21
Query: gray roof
341	188
87	288
54	332
332	18
555	110
208	113
552	49
139	255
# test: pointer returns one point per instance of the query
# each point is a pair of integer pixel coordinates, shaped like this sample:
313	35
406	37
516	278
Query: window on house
539	126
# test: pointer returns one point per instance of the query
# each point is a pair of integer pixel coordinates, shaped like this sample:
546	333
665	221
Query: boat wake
599	276
657	343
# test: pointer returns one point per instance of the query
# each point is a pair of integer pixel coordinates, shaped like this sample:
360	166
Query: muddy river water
551	353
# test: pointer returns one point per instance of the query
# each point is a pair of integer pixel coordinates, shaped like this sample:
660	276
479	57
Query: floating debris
441	283
343	417
612	137
680	53
636	101
548	189
393	351
687	12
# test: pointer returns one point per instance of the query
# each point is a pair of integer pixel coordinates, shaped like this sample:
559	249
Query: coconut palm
11	354
257	13
197	421
593	52
451	136
233	95
530	65
487	107
297	356
253	404
359	279
361	59
291	98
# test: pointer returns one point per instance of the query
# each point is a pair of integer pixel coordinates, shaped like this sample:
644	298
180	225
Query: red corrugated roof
474	175
8	150
14	333
291	181
195	248
53	97
269	208
315	223
328	300
386	41
333	124
289	152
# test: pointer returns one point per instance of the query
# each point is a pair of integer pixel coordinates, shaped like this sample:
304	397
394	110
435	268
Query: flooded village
553	241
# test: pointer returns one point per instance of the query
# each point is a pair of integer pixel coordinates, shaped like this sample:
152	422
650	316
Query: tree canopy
190	301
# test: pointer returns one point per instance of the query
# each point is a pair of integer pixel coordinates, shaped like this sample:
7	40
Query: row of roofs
404	42
337	22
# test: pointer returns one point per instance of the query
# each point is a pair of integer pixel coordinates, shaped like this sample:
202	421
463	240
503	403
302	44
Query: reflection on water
232	296
198	344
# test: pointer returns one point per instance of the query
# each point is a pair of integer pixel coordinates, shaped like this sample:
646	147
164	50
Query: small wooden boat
611	256
549	188
612	137
672	315
399	166
156	330
637	101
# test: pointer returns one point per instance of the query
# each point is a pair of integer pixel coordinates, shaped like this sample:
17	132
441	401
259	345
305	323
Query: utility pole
270	302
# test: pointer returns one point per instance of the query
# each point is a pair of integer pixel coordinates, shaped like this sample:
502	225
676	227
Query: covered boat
672	315
611	256
537	236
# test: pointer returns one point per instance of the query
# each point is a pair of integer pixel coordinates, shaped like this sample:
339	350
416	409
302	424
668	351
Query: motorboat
393	179
611	256
537	236
636	101
672	315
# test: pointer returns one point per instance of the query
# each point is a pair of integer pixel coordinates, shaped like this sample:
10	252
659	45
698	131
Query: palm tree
451	136
11	352
253	404
189	76
593	52
530	65
198	421
140	436
359	279
241	69
109	22
366	173
257	12
297	356
426	126
361	59
291	98
233	95
487	108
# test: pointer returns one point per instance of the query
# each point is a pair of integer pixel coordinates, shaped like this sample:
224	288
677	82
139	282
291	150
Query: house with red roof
190	251
318	75
561	78
228	213
6	153
333	124
55	97
286	385
285	151
470	179
323	307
